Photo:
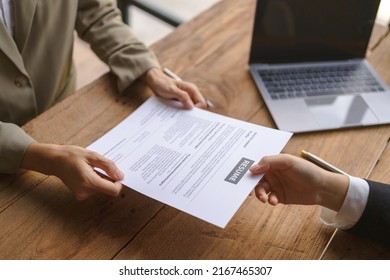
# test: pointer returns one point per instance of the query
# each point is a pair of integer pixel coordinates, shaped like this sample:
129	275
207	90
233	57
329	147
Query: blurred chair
149	7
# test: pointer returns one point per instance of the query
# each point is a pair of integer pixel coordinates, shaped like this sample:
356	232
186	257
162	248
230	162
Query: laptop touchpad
341	111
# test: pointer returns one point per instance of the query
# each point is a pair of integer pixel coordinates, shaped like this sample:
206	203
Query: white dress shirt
353	206
6	15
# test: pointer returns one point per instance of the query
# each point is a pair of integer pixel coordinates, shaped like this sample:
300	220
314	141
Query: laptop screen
311	30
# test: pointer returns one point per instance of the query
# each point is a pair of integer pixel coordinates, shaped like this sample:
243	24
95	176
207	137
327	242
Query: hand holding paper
189	158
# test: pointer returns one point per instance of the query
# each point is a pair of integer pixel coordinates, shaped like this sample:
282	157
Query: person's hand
162	85
75	167
292	180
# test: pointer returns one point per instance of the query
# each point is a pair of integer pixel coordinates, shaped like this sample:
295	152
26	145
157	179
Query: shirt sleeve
13	143
353	206
100	24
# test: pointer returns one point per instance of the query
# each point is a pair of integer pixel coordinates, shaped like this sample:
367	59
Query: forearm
333	190
42	158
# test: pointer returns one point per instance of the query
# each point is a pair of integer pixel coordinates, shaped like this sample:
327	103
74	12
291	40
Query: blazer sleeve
375	220
13	143
100	23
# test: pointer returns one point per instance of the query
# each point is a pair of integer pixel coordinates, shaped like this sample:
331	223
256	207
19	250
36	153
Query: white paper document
193	160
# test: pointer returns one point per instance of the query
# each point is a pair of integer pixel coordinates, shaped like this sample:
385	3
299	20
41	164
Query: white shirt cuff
353	206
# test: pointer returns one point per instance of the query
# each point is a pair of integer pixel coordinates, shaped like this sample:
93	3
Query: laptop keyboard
312	81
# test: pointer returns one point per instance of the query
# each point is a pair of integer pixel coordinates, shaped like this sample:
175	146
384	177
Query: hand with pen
291	180
172	87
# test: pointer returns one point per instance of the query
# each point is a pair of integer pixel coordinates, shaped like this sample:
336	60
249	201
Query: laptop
307	59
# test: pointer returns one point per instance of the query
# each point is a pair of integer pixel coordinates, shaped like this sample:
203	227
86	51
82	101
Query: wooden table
40	219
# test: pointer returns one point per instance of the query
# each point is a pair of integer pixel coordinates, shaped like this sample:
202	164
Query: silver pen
171	74
320	162
177	78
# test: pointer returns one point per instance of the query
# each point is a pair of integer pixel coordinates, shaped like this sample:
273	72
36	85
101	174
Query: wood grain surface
40	219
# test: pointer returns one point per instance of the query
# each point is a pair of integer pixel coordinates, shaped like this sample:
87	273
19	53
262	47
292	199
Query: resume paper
193	160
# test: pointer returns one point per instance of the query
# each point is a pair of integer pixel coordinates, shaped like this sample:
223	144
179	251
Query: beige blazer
36	68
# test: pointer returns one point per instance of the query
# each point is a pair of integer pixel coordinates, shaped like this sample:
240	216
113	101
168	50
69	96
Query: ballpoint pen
320	162
177	78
